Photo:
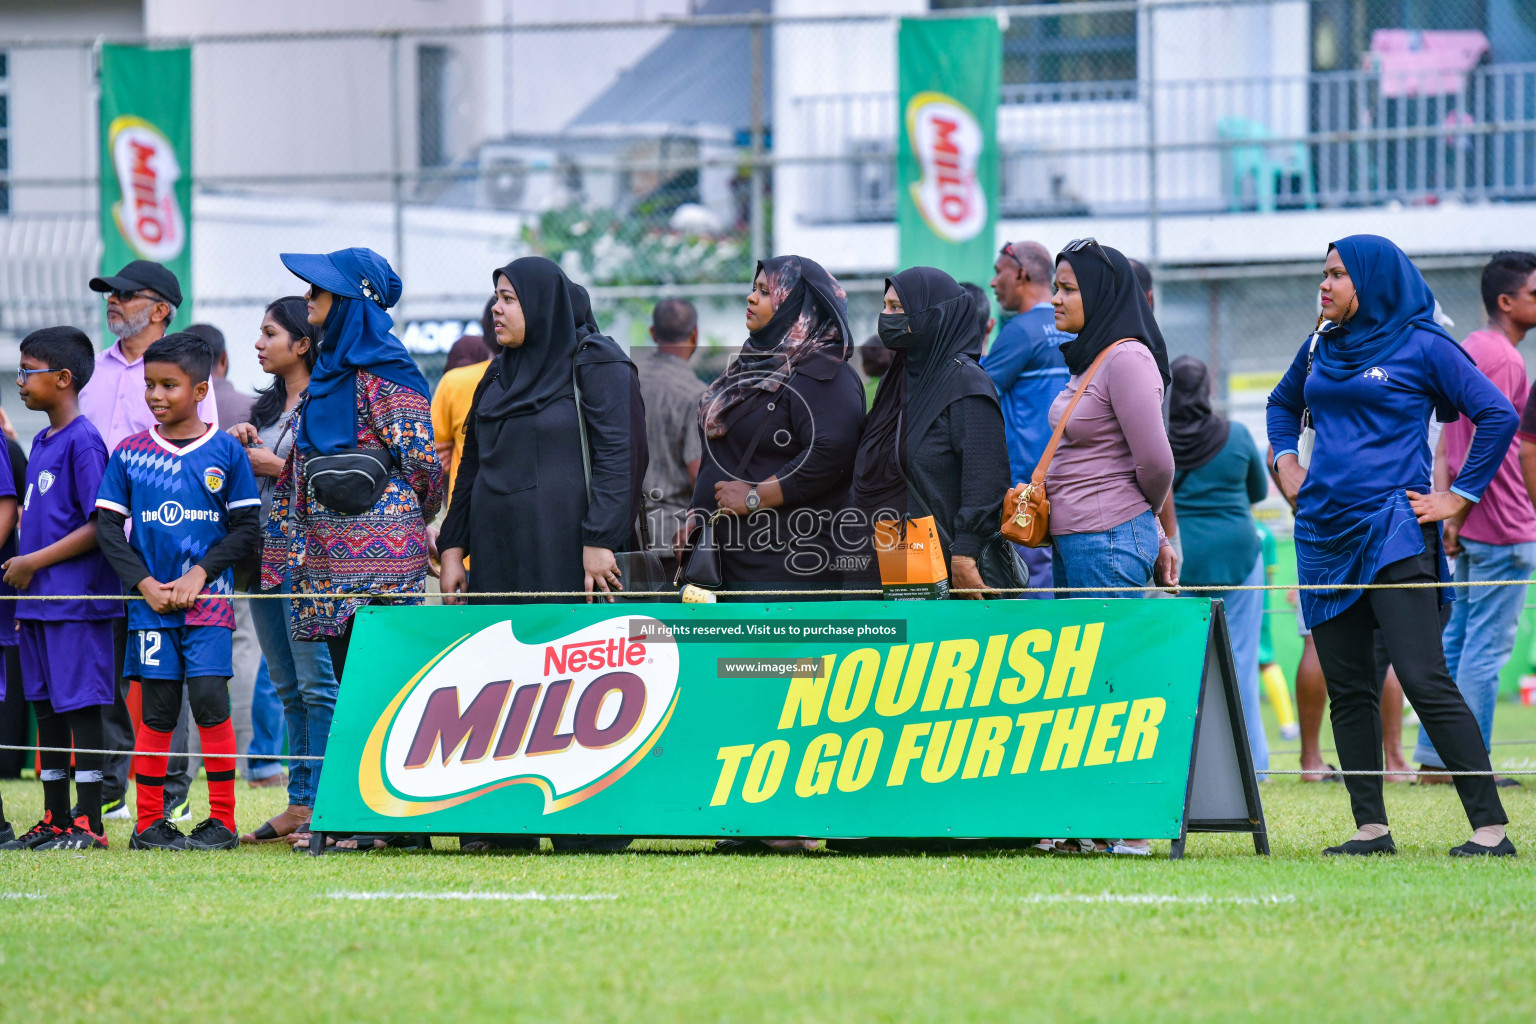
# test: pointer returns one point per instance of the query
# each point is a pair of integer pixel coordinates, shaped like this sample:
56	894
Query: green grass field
669	931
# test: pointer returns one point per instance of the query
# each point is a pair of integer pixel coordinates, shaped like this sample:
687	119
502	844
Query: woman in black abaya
934	443
520	508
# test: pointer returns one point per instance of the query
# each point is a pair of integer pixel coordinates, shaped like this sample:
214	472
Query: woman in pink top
1114	466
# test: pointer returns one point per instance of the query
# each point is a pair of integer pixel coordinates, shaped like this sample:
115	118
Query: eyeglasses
1089	244
23	374
1007	250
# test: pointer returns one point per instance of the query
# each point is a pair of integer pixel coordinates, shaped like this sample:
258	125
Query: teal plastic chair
1257	160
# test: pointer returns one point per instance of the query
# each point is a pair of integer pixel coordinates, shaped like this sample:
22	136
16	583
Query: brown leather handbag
1026	510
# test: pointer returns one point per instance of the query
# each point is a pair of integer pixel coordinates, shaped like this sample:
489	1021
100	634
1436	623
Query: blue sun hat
356	336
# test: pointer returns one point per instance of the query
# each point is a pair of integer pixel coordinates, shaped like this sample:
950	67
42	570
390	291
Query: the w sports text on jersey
178	502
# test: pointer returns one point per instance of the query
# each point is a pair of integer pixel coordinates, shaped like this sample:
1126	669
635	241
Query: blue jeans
1245	620
266	726
1481	633
1118	557
301	675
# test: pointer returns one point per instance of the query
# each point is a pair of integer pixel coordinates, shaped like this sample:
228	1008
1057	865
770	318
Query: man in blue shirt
1027	368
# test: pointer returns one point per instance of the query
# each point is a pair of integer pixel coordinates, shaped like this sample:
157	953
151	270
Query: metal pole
396	158
1153	261
758	201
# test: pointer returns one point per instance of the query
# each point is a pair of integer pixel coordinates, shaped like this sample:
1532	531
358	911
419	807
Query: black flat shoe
1471	849
1362	847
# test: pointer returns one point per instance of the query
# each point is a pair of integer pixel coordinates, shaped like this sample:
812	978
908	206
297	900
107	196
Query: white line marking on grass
494	896
1150	899
21	895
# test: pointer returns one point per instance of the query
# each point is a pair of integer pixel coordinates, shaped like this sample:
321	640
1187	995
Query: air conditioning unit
518	178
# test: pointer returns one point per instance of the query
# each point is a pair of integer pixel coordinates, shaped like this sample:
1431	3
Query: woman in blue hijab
365	393
1366	512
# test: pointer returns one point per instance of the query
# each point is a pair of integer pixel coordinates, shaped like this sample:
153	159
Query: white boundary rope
311	757
161	753
824	594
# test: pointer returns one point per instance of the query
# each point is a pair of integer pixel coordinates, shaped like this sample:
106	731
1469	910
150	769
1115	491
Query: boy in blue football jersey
189	491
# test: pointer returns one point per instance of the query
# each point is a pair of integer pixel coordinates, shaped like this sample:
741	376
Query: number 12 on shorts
149	647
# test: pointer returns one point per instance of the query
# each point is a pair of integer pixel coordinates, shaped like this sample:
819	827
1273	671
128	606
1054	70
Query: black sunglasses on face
1089	244
122	297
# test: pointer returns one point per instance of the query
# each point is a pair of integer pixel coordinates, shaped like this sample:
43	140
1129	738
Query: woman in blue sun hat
366	422
1367	512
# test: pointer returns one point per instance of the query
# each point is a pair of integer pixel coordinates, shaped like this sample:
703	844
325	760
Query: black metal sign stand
1223	793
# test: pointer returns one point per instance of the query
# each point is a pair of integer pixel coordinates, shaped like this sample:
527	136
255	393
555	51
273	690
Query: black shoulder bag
350	481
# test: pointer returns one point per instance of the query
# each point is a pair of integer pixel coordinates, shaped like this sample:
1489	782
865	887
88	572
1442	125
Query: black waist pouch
350	481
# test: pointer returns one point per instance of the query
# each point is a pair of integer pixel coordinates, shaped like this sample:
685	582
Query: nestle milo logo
570	716
946	140
148	216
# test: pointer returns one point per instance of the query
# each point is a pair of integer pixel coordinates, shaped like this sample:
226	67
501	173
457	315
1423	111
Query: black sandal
366	842
265	833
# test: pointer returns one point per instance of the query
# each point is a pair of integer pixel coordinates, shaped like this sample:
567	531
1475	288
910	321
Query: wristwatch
753	501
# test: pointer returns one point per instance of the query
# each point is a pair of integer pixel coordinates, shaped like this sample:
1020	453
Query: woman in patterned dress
365	392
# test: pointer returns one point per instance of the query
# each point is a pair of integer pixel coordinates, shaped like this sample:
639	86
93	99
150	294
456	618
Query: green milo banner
950	72
146	159
858	718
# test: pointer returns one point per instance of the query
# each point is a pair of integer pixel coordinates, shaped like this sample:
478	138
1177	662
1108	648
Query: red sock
149	774
219	761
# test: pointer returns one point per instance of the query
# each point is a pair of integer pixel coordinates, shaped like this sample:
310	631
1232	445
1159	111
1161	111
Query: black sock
85	725
53	731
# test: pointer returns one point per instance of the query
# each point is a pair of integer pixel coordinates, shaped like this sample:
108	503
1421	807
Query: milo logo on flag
148	215
947	140
570	716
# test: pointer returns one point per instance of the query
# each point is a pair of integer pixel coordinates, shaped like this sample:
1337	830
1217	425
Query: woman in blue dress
1367	513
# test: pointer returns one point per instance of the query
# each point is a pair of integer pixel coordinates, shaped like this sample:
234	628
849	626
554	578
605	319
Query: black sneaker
212	835
1471	849
1362	847
77	837
162	835
6	833
36	836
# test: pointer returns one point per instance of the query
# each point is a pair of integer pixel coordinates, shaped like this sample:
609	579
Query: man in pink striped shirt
1495	538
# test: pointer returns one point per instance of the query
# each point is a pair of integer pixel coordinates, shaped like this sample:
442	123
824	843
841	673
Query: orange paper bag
911	560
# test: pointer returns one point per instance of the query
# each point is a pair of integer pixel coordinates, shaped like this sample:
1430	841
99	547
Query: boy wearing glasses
66	646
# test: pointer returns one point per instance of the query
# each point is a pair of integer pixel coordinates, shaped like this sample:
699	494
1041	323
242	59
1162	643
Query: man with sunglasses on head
1027	368
142	300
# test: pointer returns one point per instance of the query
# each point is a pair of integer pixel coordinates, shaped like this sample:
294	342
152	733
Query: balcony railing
1334	139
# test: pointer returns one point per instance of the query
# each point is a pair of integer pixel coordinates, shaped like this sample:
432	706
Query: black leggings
208	695
78	728
1410	627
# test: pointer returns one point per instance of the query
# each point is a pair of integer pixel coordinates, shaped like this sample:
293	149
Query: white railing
1321	140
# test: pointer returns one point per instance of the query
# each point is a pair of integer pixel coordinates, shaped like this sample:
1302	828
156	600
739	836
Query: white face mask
128	326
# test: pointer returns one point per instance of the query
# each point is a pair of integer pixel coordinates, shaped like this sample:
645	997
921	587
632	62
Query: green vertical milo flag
146	159
950	71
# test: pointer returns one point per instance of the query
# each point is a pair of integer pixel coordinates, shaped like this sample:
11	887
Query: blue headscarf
1392	301
356	337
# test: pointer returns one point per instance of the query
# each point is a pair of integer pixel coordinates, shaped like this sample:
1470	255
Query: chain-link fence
1222	141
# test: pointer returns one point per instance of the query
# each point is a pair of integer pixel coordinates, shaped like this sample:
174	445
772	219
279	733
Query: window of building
1341	29
433	64
1062	48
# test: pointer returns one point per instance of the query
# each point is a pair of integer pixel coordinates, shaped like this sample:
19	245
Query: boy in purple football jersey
189	490
7	608
66	645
